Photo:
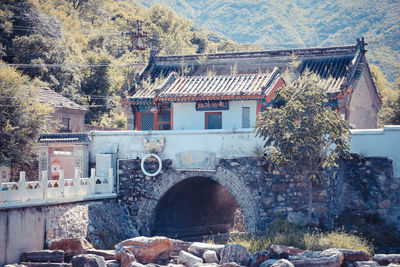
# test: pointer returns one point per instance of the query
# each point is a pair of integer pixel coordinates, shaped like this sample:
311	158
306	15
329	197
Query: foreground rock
327	258
385	259
198	248
276	263
43	256
259	257
281	251
366	264
106	254
188	259
354	255
45	264
88	260
178	246
127	258
210	256
146	249
235	253
71	246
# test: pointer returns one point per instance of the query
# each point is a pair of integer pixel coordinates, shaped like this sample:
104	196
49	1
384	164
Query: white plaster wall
233	143
185	116
224	143
20	230
378	143
364	105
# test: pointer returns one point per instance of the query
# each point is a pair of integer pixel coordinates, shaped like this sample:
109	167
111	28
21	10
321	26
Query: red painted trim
172	117
206	113
155	121
258	109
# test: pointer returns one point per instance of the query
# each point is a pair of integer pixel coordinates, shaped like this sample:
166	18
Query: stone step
46	264
43	256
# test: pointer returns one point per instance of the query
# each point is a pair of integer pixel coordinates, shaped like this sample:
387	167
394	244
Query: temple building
228	90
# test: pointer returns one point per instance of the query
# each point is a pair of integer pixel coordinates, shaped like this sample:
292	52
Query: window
213	120
147	121
245	117
66	125
164	121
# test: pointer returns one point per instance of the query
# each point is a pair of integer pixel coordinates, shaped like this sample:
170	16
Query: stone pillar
43	160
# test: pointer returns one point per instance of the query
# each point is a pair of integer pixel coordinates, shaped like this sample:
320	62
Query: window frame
206	119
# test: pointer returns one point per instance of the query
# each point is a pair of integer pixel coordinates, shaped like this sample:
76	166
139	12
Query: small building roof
220	87
56	100
64	138
190	88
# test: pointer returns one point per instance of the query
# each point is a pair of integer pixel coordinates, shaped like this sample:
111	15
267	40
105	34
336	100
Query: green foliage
303	136
385	237
279	24
281	232
62	37
22	117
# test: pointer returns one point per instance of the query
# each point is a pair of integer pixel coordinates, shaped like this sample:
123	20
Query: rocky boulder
198	248
326	258
354	255
43	256
260	256
71	246
235	253
366	264
210	256
127	258
88	260
280	251
385	259
106	254
276	263
146	249
188	259
178	245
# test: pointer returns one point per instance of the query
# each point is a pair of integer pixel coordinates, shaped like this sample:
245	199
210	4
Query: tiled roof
220	86
56	100
64	138
332	71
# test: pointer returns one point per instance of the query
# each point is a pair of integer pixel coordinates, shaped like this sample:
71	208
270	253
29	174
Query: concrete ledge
35	203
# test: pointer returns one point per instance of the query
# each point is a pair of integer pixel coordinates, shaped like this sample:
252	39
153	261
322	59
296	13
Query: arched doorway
234	184
197	206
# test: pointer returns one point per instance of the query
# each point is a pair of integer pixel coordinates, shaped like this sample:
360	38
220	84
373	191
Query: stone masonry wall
364	185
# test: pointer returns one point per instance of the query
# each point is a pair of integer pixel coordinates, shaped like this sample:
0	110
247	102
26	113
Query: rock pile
161	251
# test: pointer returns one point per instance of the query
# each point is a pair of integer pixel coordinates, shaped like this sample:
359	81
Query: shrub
281	232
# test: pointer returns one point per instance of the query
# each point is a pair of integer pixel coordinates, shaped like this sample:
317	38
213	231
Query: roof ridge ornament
361	44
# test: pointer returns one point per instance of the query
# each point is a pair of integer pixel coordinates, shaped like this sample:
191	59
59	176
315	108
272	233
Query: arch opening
197	206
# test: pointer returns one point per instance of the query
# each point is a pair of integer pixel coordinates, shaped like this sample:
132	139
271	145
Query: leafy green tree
96	87
390	92
22	117
303	136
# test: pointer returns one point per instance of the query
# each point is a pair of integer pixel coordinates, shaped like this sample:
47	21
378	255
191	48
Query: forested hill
84	50
276	24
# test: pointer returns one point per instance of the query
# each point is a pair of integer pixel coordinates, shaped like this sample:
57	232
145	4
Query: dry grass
283	233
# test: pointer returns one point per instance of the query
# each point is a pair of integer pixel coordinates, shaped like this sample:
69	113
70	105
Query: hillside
277	24
84	49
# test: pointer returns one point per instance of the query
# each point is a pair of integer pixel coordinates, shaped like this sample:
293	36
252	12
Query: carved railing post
44	184
93	180
110	180
61	184
22	186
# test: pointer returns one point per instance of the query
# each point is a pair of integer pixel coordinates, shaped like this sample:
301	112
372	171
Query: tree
390	92
22	117
303	136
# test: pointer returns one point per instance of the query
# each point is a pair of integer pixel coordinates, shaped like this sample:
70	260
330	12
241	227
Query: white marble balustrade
63	188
